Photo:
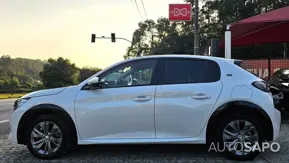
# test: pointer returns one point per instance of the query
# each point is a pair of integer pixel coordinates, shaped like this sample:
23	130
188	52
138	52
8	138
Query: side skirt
196	140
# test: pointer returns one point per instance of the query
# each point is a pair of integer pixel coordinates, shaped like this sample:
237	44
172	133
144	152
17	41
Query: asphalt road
141	154
6	109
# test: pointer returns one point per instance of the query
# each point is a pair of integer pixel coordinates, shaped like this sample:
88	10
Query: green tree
87	72
2	83
26	70
14	82
160	37
58	73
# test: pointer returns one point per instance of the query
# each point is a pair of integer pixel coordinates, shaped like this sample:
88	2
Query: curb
4	127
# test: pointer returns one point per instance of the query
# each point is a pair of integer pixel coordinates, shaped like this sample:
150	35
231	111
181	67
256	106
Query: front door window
137	73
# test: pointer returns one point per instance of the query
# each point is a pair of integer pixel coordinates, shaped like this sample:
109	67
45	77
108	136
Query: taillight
261	85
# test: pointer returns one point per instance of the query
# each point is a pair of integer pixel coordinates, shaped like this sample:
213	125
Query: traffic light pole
119	38
93	38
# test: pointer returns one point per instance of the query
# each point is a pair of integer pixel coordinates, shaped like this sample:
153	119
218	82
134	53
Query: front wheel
48	137
238	135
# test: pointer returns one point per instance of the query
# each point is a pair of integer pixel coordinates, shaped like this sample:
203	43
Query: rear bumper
276	122
265	102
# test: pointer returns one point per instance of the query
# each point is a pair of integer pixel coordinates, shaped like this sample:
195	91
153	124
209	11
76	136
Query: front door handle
200	96
142	98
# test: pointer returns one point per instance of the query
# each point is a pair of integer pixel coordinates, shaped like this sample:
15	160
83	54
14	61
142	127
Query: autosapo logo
245	147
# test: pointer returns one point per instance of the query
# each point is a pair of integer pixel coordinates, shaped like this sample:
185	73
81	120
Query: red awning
270	27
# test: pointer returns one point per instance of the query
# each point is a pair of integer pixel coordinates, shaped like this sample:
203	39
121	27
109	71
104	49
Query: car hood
45	92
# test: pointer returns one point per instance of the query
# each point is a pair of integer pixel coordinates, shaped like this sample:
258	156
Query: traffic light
92	37
112	37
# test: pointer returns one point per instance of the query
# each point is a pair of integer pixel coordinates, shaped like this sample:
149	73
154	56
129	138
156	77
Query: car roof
183	56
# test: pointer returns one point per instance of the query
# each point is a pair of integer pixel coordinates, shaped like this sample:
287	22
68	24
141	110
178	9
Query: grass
11	95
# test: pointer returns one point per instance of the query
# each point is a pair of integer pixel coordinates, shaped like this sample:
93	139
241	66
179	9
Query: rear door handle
142	98
200	96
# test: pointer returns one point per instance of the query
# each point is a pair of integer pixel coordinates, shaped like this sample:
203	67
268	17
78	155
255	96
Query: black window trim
154	80
162	64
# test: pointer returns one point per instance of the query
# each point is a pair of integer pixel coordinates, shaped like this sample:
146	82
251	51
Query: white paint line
11	99
4	121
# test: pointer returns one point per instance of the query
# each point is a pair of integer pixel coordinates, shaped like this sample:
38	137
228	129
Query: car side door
124	108
185	96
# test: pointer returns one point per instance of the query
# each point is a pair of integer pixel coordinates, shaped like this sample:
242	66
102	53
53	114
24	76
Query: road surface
6	109
141	154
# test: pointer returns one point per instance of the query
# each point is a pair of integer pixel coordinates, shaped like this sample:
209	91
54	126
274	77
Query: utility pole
152	44
196	25
228	42
139	50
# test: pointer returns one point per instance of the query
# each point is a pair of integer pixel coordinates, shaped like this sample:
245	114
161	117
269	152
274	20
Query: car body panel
66	104
241	92
114	114
45	92
180	112
233	80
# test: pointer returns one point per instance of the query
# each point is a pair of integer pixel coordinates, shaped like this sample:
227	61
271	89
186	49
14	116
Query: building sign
261	67
180	12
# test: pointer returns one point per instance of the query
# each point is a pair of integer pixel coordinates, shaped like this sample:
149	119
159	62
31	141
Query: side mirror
94	83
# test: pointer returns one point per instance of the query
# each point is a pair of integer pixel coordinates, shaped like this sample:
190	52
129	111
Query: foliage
9	95
87	72
59	73
25	75
15	82
160	37
19	72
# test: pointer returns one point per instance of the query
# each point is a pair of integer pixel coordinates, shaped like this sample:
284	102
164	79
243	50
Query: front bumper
13	122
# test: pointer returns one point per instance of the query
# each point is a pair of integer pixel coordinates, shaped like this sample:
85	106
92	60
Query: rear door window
182	71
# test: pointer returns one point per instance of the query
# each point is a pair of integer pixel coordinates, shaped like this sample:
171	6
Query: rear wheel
48	136
237	135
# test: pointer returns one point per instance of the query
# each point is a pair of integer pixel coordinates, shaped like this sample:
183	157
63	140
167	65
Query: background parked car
279	86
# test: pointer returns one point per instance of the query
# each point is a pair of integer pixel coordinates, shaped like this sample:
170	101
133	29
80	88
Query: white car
151	100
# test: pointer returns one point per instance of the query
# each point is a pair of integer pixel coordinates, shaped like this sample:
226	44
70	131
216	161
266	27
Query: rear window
238	62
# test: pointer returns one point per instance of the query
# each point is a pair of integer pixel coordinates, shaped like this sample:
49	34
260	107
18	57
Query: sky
42	29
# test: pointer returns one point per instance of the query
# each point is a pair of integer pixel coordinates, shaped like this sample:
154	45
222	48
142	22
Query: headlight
20	102
286	72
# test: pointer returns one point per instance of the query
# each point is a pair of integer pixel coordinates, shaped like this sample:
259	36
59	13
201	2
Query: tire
65	132
242	117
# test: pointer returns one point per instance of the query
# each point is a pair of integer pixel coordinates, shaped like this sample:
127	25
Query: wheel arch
40	110
234	107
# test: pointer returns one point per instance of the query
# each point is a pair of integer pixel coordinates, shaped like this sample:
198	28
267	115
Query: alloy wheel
46	137
237	133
